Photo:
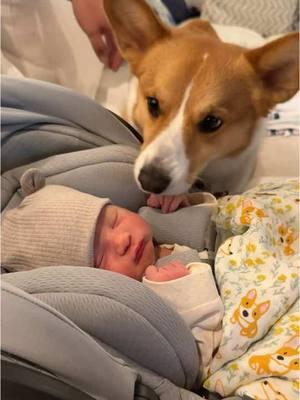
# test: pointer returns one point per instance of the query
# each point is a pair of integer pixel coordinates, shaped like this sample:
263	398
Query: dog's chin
176	189
177	186
173	189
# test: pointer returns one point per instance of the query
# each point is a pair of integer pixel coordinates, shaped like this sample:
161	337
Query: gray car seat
71	332
92	331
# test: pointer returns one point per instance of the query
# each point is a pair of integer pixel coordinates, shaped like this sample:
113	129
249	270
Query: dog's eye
153	106
210	124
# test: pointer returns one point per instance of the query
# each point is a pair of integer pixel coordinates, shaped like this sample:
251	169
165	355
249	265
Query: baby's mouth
139	250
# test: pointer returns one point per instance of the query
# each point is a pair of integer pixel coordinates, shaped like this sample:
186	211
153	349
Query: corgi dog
248	313
283	361
198	102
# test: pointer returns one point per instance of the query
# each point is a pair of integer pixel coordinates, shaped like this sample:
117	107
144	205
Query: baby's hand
168	272
167	204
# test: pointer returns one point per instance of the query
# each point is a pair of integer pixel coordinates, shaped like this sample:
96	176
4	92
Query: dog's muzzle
153	179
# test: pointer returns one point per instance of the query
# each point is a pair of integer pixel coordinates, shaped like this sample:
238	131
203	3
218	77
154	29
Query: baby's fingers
153	201
152	273
174	270
166	204
177	202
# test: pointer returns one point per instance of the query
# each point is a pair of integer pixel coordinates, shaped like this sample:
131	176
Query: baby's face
123	242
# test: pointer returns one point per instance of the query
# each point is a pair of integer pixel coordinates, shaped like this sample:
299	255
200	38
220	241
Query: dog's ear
263	307
252	294
277	66
136	27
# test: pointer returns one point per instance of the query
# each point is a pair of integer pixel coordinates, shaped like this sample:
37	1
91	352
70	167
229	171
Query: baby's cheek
149	254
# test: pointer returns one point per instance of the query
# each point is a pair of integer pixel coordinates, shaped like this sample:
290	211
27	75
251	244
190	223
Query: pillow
267	17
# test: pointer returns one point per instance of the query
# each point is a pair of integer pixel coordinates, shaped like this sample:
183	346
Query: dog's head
247	303
288	354
249	310
198	99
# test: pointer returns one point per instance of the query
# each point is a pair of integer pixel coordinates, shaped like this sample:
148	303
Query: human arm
92	19
186	288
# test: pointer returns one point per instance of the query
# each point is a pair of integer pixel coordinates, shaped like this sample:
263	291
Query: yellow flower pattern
295	328
233	263
234	367
230	208
251	247
294	318
278	330
296	384
261	277
249	262
282	278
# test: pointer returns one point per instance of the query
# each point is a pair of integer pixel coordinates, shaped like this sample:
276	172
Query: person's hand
92	19
168	272
168	204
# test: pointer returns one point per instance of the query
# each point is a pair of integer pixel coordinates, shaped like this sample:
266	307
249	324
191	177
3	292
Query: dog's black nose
280	358
153	179
245	313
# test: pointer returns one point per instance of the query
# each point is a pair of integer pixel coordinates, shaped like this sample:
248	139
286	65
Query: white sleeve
195	297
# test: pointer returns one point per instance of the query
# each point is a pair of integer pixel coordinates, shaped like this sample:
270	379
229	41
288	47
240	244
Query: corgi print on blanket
257	271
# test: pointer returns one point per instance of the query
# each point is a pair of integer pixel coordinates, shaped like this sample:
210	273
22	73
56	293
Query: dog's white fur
167	151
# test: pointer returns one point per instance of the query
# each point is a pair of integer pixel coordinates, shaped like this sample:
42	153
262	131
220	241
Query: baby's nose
122	242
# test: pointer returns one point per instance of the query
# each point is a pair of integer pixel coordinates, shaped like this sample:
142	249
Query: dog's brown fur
237	85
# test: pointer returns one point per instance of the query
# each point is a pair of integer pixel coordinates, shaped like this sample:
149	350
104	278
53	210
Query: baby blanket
257	271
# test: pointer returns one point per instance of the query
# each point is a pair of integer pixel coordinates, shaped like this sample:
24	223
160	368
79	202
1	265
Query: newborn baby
57	225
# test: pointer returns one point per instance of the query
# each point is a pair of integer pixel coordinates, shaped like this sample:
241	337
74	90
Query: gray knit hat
53	225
